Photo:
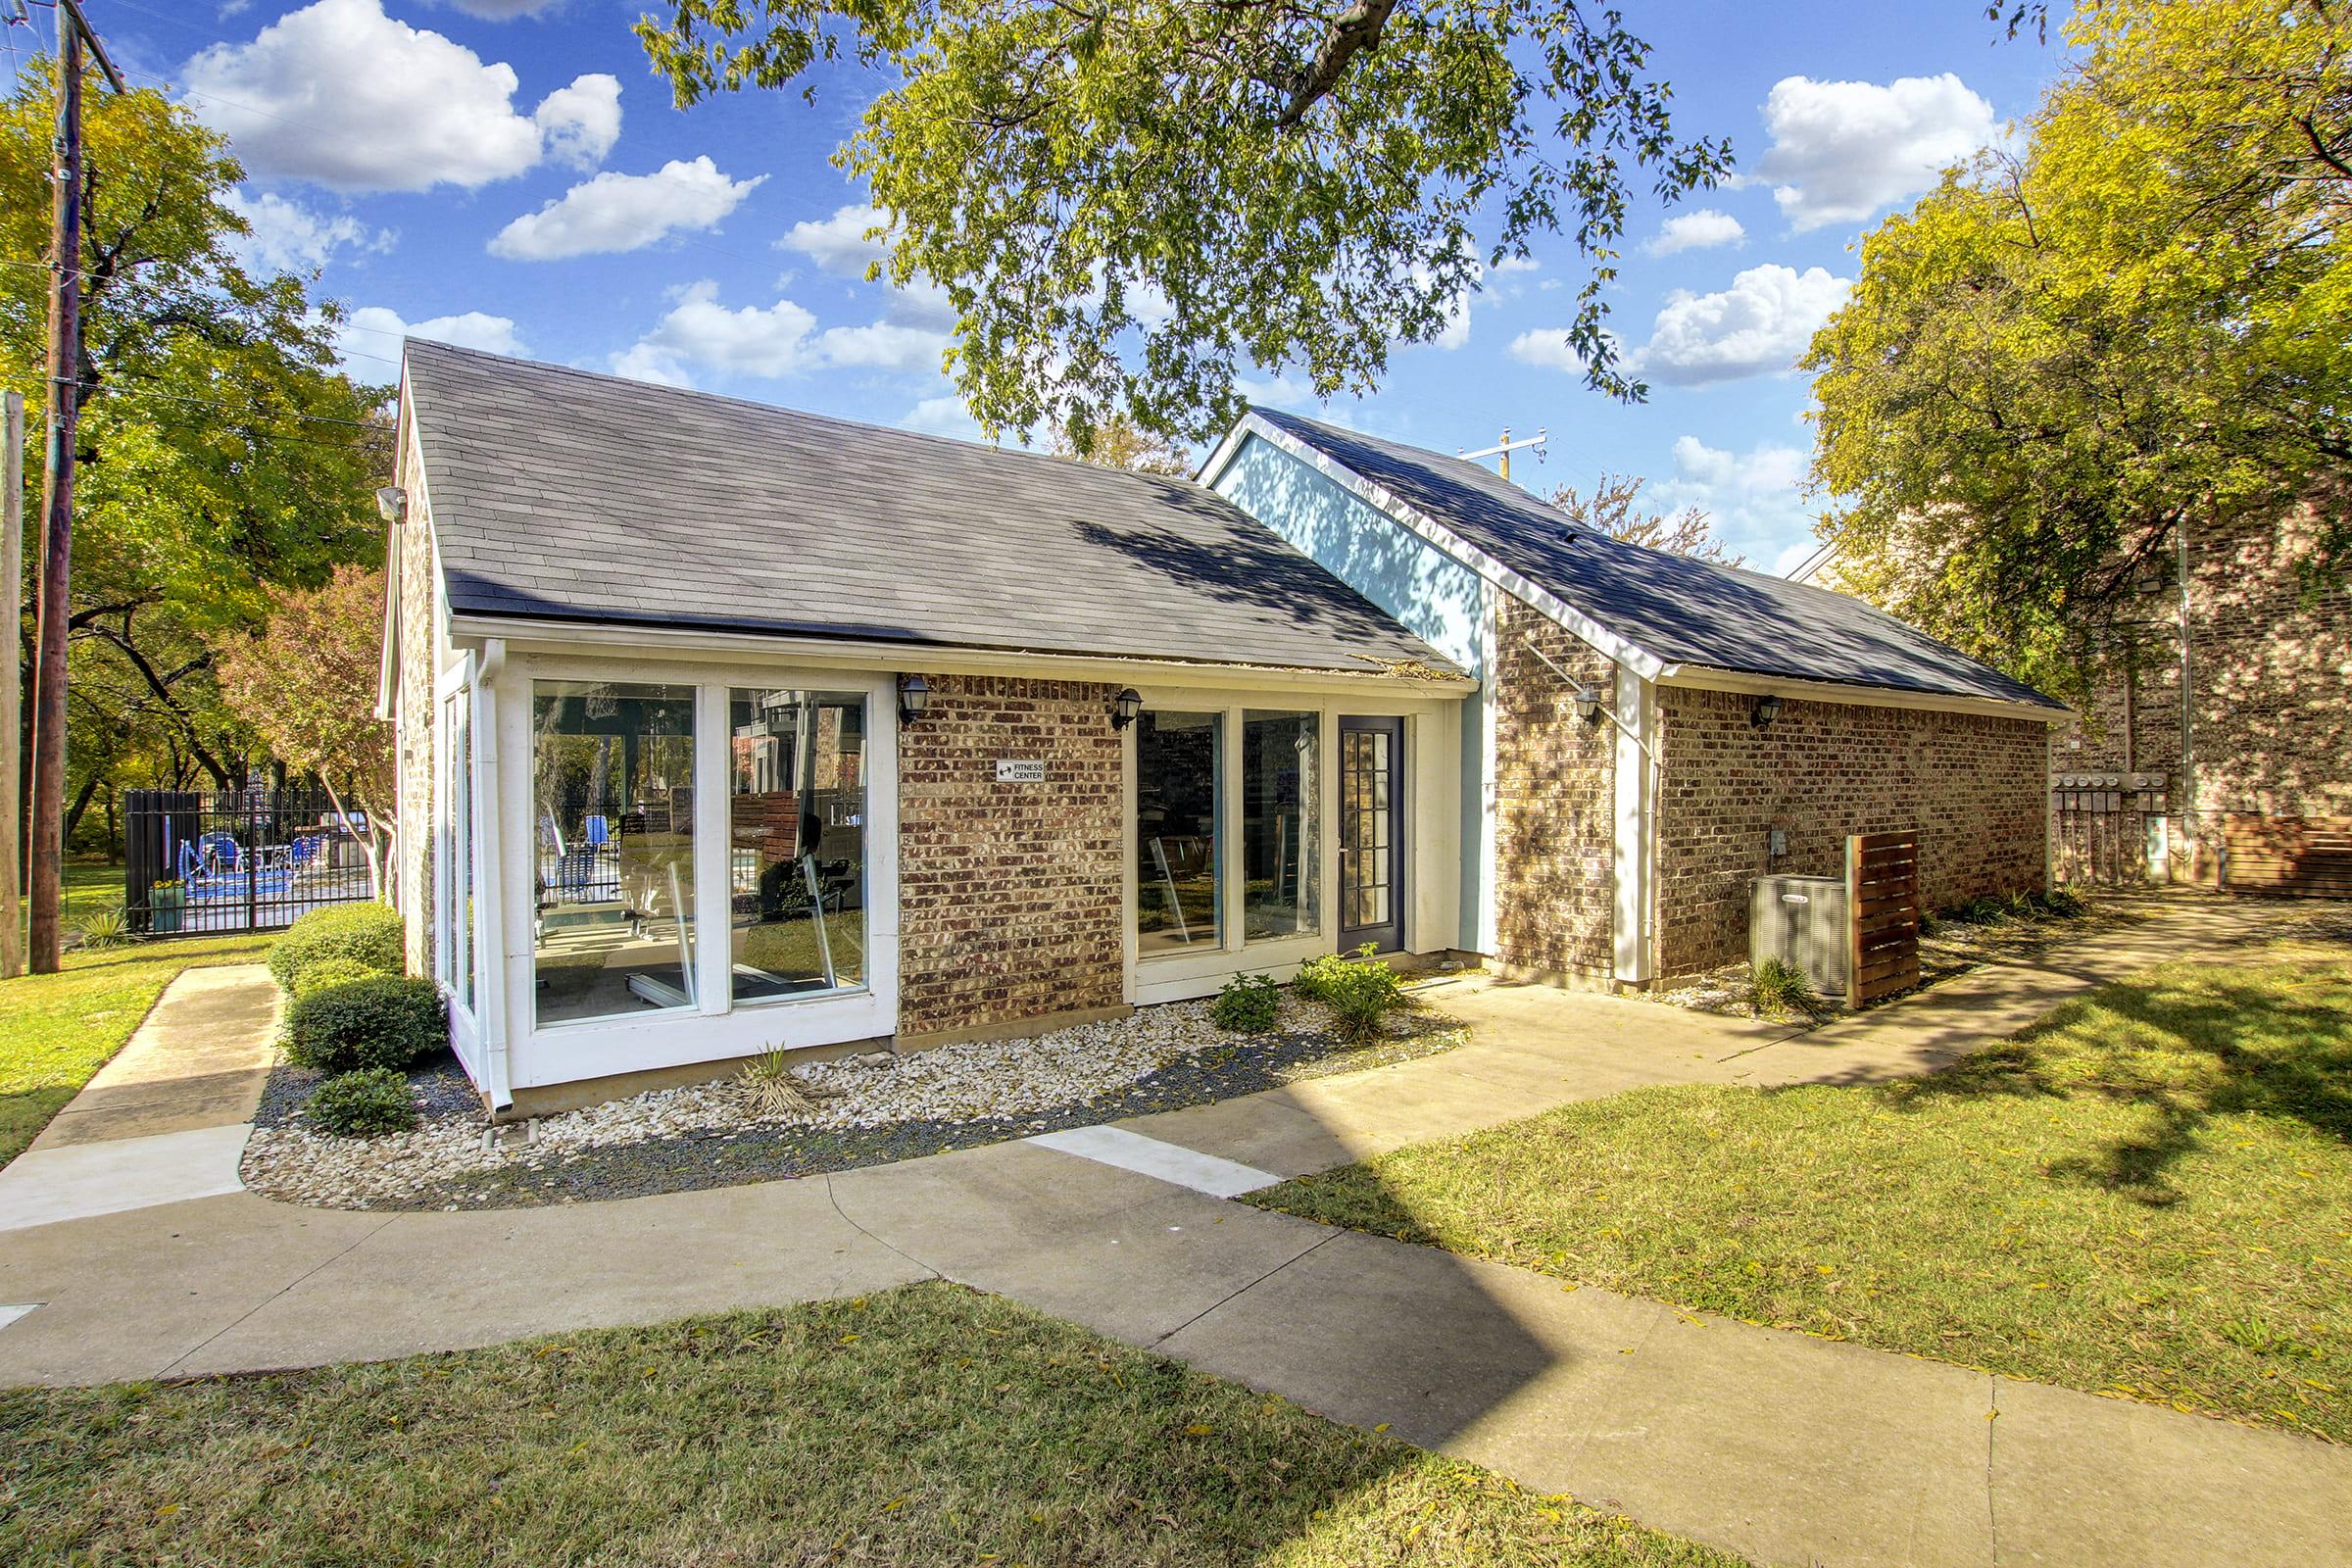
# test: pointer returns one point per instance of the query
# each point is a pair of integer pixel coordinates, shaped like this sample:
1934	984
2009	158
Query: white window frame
715	1028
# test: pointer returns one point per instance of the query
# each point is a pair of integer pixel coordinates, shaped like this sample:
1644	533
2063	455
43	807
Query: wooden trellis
1882	901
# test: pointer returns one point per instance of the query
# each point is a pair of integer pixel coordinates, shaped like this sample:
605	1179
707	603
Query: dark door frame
1386	936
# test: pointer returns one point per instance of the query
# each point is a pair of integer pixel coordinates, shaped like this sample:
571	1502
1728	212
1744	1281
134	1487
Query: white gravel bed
982	1079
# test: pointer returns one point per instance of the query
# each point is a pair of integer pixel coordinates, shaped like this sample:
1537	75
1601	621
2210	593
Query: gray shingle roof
563	494
1684	611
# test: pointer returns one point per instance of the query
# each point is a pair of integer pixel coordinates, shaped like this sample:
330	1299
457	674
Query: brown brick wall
413	872
1009	893
1554	787
2271	667
1974	787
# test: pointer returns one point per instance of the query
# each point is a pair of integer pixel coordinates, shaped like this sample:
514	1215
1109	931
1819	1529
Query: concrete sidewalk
1783	1447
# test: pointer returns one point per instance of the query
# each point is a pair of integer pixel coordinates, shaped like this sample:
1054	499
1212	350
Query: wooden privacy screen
2309	854
1881	894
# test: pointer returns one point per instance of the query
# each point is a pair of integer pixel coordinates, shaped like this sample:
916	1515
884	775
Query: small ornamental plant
364	933
1249	1004
1778	986
382	1021
368	1103
1360	992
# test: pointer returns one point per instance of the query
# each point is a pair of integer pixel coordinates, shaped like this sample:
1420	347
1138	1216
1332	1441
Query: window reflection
1178	762
612	807
1281	827
796	814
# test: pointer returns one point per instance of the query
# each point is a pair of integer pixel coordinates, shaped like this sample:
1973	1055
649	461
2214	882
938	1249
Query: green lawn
2148	1193
926	1424
58	1029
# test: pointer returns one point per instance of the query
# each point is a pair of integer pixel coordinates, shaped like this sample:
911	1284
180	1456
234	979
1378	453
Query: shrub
366	933
1778	986
1248	1004
773	1087
105	928
366	1104
329	973
2065	904
1359	990
382	1021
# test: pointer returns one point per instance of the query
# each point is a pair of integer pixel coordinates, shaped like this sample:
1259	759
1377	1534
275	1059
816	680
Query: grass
2148	1193
58	1029
924	1425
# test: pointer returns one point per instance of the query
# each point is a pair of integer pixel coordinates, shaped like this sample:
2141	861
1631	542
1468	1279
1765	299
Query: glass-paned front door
1371	833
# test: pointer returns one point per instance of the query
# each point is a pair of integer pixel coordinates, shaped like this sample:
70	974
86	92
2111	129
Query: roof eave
1706	678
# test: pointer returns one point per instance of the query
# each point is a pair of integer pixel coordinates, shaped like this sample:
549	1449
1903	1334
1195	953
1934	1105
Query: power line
193	291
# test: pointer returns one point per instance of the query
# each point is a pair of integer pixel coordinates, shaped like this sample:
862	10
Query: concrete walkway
1783	1447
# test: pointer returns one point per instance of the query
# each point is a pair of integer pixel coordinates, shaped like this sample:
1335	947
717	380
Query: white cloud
699	333
504	10
945	415
1517	264
368	344
1756	498
1759	325
882	346
1703	230
339	93
1841	150
581	122
1547	347
287	237
839	243
623	211
646	363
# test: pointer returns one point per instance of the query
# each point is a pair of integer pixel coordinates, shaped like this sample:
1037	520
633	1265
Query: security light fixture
1124	707
1767	710
1588	704
392	504
915	695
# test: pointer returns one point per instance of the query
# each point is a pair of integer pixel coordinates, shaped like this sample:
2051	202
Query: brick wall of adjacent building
1009	895
2271	679
412	871
1974	787
1554	787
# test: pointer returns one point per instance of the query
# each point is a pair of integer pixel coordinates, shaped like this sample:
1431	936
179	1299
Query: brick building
725	728
2247	783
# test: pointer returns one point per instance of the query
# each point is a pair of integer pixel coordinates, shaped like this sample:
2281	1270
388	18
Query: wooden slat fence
1881	897
2305	855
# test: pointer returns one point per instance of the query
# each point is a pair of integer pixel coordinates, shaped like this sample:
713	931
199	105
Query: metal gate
252	860
2110	828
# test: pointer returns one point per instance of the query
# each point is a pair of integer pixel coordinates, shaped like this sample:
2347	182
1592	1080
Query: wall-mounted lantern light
915	695
1124	707
1767	710
392	504
1588	704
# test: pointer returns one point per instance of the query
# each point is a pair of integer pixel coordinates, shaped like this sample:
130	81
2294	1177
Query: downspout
490	1008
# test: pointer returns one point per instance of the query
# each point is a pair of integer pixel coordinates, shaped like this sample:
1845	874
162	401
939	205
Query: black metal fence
252	860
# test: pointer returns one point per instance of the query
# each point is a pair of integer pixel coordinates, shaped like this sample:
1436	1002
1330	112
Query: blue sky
509	175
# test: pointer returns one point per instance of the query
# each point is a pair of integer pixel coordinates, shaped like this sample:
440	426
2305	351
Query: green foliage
385	1021
1248	1004
2059	359
771	1085
324	974
2064	903
1778	986
364	1103
1128	204
1360	992
103	929
369	934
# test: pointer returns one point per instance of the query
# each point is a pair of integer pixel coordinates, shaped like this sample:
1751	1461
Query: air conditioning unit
1802	921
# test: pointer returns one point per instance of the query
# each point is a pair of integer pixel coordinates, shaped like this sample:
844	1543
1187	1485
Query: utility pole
64	412
1508	447
12	693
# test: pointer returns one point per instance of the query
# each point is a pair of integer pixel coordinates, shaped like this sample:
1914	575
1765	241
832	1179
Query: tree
1125	202
1121	443
2060	360
1612	506
221	453
306	681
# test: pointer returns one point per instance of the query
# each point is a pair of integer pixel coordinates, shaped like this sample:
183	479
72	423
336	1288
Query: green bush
1360	992
105	928
1778	986
365	933
383	1021
2064	903
1248	1004
366	1103
329	973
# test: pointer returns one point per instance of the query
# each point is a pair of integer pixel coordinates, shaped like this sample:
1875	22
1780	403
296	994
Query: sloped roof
566	495
1680	610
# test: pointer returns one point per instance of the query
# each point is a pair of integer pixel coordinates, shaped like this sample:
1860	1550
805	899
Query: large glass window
1280	836
613	810
795	829
1178	764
